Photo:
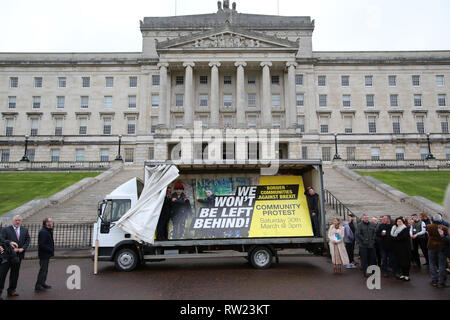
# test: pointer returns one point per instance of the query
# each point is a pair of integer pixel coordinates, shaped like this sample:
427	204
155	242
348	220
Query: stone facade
228	70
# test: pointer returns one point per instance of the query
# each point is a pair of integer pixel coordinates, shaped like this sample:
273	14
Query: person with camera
18	235
46	250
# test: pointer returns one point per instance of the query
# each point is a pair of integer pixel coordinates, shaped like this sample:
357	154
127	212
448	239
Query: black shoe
46	286
434	283
39	289
442	285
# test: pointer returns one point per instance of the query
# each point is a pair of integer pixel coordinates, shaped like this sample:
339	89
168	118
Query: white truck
215	210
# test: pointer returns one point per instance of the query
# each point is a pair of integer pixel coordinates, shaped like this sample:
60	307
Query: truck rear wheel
126	259
261	257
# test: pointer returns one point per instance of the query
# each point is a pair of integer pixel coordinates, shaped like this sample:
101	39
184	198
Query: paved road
222	279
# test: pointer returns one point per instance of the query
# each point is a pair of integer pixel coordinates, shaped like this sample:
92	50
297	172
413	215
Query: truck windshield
115	209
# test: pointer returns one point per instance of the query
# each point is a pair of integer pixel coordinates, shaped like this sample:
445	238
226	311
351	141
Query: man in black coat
365	237
19	235
46	250
313	204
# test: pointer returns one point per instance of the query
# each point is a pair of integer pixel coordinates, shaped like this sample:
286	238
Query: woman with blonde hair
338	252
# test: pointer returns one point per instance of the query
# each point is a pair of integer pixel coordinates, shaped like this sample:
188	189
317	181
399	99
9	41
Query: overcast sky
113	25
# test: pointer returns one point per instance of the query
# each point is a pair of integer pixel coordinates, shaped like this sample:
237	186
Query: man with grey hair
437	251
365	237
18	234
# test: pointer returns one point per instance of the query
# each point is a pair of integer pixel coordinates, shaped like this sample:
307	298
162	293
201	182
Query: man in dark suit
17	234
46	250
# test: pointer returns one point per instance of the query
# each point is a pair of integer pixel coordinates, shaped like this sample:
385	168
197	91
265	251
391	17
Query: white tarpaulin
141	220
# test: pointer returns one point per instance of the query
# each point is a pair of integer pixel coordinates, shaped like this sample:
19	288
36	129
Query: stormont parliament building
224	70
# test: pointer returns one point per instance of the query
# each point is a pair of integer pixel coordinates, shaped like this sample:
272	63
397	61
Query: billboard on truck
233	206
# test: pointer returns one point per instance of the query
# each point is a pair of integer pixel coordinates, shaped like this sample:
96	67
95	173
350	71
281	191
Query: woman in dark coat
401	247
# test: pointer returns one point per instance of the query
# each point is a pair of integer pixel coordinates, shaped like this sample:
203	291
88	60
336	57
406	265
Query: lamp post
429	155
25	157
336	155
119	157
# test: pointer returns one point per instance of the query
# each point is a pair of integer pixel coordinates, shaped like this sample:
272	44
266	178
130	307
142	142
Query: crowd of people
393	245
14	241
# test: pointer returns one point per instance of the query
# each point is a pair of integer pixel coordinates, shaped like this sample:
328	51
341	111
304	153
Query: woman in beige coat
337	247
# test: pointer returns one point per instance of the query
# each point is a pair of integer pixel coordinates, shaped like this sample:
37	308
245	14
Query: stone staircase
82	208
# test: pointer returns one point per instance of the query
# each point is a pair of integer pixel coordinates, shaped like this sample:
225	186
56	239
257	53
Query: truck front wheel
261	257
126	259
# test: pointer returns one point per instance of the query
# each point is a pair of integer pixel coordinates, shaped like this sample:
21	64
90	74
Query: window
368	81
203	80
394	100
79	156
104	154
396	124
301	123
109	82
346	100
298	79
5	155
326	153
12	102
131	125
107	125
321	81
423	153
227	80
345	81
416	81
54	155
155	100
375	154
276	80
34	126
323	124
400	153
129	155
251	119
38	82
133	82
58	126
348	124
107	102
228	121
86	82
300	100
420	123
31	154
155	80
252	100
36	102
392	81
203	100
84	102
447	153
442	100
304	152
372	123
153	124
60	102
83	126
132	102
179	80
227	100
251	80
444	124
62	82
440	81
178	121
276	100
370	100
13	82
351	153
322	100
276	121
9	126
151	153
204	121
417	100
179	100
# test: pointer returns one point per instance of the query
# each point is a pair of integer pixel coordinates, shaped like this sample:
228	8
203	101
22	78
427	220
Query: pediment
227	38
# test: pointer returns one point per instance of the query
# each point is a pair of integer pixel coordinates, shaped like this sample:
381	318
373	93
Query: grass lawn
17	188
428	184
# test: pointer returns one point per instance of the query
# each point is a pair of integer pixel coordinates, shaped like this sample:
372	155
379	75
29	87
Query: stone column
290	105
188	94
240	94
163	104
266	103
214	94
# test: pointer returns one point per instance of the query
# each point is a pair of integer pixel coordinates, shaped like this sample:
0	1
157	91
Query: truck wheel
126	259
261	257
